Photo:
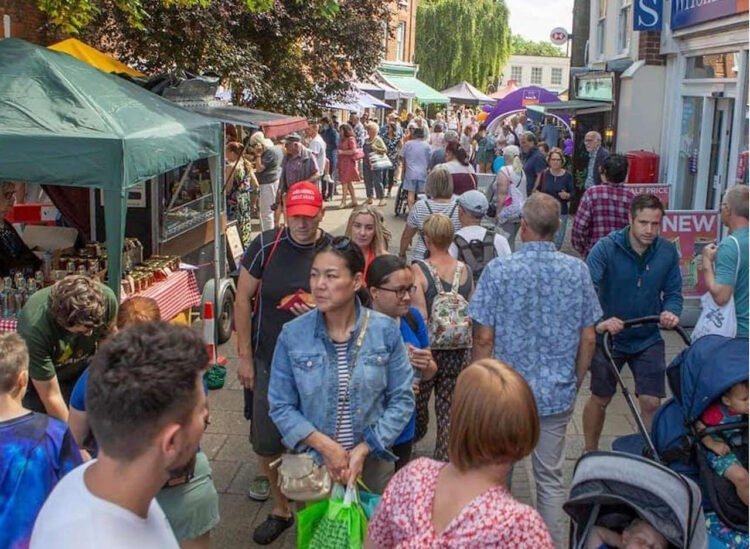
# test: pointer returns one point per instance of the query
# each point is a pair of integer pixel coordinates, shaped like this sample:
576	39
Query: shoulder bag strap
435	278
355	353
267	260
457	279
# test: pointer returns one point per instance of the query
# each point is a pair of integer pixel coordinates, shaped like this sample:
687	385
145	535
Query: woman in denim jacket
347	415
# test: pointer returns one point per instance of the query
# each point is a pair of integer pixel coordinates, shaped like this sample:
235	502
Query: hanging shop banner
691	231
647	15
660	190
686	13
530	97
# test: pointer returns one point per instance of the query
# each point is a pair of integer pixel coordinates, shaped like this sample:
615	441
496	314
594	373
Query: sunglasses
400	292
342	243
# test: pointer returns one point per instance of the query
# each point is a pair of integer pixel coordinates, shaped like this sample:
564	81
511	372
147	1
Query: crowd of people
341	346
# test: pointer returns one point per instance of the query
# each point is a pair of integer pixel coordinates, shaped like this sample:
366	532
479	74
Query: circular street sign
558	36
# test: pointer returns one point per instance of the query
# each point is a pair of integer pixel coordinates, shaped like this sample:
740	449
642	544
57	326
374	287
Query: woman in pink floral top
465	503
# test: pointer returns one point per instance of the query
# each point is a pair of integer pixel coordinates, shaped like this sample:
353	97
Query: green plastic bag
338	523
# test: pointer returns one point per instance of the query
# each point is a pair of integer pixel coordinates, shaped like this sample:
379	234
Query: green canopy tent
63	122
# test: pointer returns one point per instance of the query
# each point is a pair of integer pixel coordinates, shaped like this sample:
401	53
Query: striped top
345	434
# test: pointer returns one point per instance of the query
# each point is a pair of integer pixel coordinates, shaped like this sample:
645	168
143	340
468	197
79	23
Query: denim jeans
560	234
547	462
374	182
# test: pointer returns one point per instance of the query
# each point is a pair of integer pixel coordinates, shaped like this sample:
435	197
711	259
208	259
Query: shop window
623	25
536	75
556	76
690	134
516	73
719	65
400	37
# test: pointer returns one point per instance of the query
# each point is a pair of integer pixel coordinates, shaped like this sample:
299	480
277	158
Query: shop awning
392	93
575	106
423	92
356	100
274	125
92	56
466	94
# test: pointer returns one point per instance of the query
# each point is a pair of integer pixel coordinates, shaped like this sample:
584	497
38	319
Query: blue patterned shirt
537	301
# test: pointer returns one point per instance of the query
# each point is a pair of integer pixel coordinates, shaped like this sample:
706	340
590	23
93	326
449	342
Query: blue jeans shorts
648	367
414	185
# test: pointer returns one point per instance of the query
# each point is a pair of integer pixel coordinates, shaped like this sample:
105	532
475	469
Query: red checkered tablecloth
173	295
8	325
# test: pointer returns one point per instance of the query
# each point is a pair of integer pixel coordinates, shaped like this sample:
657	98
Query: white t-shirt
318	147
477	232
74	518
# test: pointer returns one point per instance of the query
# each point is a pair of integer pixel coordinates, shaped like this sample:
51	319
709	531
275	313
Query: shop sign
686	13
647	15
691	231
598	88
660	190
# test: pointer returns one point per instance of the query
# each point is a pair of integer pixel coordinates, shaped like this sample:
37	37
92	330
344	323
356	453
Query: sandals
270	529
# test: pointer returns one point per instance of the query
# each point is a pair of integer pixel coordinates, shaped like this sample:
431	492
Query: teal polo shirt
726	269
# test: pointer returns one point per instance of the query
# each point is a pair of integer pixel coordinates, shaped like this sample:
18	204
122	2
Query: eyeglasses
341	243
400	292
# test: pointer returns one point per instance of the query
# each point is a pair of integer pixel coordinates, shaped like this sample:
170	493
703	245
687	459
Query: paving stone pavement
234	465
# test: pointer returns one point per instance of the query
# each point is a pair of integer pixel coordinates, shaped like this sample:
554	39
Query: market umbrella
63	122
466	94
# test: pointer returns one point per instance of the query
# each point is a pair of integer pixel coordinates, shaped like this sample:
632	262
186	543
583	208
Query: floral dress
403	518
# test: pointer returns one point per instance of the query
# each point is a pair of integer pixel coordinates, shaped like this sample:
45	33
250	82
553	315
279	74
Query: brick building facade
26	21
399	48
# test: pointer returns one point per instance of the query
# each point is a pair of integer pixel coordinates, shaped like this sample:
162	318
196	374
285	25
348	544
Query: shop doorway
718	166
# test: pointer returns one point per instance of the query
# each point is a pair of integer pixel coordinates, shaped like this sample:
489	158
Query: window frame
520	73
624	32
400	41
553	71
541	75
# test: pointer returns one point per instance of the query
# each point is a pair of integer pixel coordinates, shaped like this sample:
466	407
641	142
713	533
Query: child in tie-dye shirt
35	450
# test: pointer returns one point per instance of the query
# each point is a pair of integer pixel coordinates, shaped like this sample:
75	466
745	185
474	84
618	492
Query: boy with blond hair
35	450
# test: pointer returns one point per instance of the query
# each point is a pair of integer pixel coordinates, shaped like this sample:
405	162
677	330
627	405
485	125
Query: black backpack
477	253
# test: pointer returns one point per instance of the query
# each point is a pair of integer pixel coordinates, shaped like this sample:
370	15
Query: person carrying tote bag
718	319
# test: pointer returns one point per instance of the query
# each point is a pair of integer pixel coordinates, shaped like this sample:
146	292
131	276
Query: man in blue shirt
536	310
534	162
636	273
725	269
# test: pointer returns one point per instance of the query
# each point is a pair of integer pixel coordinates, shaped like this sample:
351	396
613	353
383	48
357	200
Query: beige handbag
300	478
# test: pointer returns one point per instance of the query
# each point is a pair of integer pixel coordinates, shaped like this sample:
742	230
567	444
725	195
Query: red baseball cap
304	199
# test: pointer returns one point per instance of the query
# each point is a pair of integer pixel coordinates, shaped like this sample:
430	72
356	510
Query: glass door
719	152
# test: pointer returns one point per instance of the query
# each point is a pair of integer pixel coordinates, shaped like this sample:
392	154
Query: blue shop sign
686	13
647	15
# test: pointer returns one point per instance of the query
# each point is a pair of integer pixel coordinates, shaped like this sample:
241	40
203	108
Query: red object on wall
643	167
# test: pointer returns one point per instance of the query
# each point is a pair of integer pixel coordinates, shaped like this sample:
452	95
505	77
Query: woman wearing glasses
341	379
15	255
366	228
557	182
391	286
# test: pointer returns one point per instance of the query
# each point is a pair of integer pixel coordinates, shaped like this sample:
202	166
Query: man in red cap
276	266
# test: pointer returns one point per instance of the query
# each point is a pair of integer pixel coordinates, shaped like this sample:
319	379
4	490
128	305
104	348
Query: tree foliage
521	46
461	40
289	58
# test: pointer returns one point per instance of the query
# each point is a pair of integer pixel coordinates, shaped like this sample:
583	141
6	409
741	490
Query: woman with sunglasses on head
557	182
391	286
341	378
366	228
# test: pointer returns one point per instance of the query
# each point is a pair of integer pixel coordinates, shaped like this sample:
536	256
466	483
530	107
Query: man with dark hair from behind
147	409
636	273
604	208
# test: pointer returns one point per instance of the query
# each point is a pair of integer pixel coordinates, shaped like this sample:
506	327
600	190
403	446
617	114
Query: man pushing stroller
636	273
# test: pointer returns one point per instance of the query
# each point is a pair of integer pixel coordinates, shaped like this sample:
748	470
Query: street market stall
466	94
65	123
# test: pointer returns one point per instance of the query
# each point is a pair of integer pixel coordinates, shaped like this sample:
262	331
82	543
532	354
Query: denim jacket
303	391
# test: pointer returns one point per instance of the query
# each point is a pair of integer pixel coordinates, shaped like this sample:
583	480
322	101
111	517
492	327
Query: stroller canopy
703	372
670	502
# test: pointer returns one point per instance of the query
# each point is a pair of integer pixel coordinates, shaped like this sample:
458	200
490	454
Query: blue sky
534	19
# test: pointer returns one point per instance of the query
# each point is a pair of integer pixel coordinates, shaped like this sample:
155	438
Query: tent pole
217	177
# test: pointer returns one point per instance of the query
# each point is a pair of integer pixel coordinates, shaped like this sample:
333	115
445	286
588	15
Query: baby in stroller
721	455
639	534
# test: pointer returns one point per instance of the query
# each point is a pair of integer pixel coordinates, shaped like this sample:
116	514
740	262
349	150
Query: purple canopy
517	101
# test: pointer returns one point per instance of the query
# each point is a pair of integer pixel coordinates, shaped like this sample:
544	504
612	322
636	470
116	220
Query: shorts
192	509
648	367
414	185
264	436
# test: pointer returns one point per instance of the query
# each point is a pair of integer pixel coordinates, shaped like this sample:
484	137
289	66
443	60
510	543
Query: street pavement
234	465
